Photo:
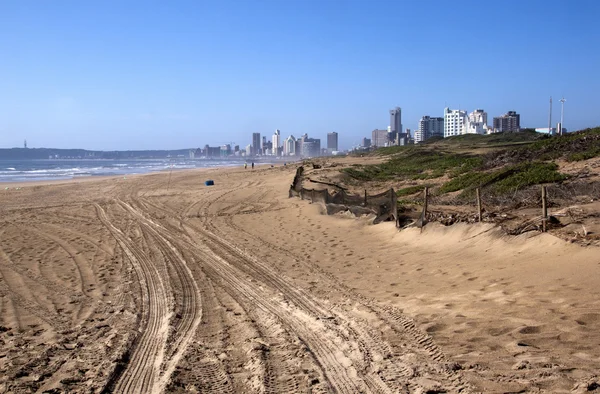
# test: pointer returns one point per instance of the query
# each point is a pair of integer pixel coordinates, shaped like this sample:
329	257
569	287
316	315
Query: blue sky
165	75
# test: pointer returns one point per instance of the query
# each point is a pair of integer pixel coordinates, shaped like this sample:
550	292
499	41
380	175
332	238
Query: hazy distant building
256	144
379	138
309	147
276	142
332	141
212	151
395	123
366	143
249	150
289	146
509	122
429	127
477	122
455	122
225	150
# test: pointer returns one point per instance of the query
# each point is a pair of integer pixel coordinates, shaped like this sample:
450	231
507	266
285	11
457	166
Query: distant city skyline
131	75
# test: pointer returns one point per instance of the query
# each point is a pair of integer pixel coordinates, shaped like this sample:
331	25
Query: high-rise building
366	143
332	141
429	127
256	144
308	147
379	138
509	122
289	146
395	123
276	142
477	123
455	122
225	150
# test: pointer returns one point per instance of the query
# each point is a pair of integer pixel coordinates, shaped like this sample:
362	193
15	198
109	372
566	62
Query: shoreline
91	178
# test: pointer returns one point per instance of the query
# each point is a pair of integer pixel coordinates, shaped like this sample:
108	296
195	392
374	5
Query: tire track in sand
141	372
191	313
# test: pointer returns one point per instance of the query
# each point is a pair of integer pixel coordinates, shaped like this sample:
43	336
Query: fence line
383	205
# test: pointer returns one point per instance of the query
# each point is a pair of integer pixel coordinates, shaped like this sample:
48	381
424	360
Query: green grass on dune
518	161
506	179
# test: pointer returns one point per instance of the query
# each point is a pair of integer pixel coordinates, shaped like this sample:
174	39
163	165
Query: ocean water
40	170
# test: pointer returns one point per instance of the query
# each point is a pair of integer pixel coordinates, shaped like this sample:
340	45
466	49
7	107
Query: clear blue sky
164	75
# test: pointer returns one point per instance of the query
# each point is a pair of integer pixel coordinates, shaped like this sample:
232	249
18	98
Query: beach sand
144	285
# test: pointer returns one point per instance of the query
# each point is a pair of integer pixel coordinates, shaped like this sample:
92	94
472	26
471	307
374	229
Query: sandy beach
139	284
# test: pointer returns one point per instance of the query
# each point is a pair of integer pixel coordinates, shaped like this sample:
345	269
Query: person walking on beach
245	165
252	165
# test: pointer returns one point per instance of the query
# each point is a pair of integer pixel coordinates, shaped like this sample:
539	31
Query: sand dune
140	285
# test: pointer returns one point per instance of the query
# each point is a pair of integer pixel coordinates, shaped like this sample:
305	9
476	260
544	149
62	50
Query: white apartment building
455	122
289	146
419	137
477	122
276	142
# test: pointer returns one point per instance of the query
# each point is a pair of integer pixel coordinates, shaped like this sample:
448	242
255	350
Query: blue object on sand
209	183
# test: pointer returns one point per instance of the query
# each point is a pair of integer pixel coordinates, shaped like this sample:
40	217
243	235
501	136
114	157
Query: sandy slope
124	285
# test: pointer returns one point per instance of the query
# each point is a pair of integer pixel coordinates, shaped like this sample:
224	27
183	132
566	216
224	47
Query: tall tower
395	122
332	141
256	145
276	142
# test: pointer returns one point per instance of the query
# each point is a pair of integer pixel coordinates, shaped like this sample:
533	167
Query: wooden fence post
424	213
426	203
365	197
312	195
544	209
478	204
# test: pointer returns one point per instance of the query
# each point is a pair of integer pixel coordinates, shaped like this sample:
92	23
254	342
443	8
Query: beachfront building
509	122
429	127
256	144
379	138
365	143
289	146
455	122
276	142
332	142
308	147
477	122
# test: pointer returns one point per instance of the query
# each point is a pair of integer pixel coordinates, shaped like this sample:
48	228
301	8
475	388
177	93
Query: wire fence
481	205
382	205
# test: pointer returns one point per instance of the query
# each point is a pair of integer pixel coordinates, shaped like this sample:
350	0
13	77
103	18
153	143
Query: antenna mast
550	118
